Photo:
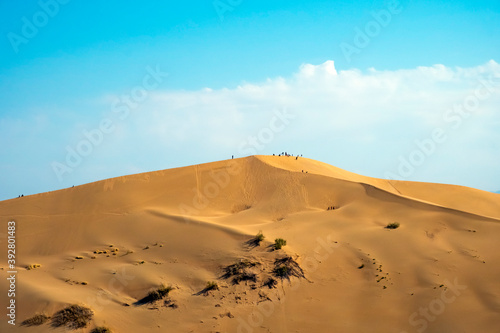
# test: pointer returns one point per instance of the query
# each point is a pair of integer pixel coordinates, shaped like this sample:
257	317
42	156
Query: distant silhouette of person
232	157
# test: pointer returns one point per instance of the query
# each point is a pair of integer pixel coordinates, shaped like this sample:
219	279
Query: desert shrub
101	330
271	283
211	285
36	320
240	271
393	225
73	317
30	267
156	294
286	267
238	268
245	276
281	271
259	237
256	240
279	243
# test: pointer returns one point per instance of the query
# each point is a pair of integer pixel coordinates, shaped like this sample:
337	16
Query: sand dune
105	245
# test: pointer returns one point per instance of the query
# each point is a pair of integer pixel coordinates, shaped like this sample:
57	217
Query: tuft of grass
101	329
271	283
79	257
30	267
259	237
36	320
240	271
279	243
212	285
256	240
157	294
73	317
245	276
286	267
393	225
281	271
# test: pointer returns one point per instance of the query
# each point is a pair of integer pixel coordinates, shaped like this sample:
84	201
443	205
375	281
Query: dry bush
286	267
101	330
73	317
240	271
36	320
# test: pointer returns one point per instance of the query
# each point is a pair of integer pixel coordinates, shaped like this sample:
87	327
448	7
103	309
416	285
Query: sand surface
438	272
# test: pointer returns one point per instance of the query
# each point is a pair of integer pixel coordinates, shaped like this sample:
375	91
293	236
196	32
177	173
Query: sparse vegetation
36	320
79	257
73	317
240	271
281	271
101	330
30	267
256	240
286	267
279	243
271	283
259	237
393	225
211	285
156	294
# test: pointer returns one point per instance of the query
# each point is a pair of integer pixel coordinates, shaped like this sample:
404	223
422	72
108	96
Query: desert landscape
255	244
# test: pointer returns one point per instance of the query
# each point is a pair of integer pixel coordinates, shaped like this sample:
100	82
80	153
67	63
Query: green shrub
393	225
212	285
259	237
279	243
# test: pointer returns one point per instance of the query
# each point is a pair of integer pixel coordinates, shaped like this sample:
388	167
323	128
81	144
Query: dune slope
105	245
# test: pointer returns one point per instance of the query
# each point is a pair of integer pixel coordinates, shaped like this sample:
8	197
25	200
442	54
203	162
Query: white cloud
341	117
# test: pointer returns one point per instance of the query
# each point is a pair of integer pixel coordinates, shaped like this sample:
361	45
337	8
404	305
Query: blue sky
233	67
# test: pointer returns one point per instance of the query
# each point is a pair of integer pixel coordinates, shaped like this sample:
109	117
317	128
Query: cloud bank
428	123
